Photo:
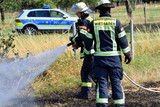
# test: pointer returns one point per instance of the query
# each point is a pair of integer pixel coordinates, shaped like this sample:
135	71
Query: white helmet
105	3
80	7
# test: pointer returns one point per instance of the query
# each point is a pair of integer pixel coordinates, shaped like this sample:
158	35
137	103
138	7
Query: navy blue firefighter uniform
109	39
81	40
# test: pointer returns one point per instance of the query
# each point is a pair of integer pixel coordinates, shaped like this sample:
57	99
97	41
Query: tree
128	8
1	1
2	12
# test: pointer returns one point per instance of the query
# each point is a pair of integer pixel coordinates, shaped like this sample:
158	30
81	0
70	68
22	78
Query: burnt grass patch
133	98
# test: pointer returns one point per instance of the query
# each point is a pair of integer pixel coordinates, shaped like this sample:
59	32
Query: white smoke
16	75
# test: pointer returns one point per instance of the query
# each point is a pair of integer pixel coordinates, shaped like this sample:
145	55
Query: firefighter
109	39
82	11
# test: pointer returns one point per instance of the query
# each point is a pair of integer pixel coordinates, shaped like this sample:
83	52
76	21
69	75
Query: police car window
20	14
56	14
42	14
31	14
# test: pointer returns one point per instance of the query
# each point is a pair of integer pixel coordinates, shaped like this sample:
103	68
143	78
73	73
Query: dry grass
65	72
39	43
145	66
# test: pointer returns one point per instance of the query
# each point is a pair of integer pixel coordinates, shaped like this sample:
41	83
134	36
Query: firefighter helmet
80	7
104	4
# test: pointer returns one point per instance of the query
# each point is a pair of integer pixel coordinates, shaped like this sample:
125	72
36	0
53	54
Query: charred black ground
134	98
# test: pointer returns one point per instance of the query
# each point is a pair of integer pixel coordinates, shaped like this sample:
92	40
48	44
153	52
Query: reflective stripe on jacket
109	39
84	37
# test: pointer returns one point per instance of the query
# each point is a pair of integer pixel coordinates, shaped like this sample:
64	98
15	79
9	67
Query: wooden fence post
145	14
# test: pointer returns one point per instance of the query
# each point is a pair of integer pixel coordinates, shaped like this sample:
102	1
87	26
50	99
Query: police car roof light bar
46	7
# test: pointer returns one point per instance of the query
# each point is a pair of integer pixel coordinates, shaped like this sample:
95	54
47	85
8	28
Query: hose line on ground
157	91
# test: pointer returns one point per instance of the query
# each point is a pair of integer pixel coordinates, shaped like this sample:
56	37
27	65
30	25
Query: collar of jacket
84	16
104	15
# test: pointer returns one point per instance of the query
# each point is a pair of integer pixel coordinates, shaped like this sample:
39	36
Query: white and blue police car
30	21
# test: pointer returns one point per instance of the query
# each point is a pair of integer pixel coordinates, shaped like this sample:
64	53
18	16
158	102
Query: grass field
64	74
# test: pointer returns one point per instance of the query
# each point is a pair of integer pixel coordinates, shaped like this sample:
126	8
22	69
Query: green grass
143	69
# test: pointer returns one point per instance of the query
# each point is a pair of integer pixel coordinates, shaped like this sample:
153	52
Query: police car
46	19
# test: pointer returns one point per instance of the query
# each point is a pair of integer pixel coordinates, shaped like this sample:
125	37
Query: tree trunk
128	7
118	3
1	1
2	14
135	3
59	4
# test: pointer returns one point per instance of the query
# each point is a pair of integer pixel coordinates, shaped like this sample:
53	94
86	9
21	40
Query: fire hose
157	91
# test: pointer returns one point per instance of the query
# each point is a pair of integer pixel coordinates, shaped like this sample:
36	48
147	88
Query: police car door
58	21
42	19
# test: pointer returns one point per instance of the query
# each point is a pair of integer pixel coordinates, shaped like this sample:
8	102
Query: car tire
30	30
20	31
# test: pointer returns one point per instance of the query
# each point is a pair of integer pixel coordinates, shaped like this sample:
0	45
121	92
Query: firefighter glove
127	58
75	46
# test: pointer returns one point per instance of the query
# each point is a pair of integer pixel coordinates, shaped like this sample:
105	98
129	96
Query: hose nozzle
69	44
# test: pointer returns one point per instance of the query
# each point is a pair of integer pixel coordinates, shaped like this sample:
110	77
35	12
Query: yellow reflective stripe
86	52
120	35
81	55
53	25
108	53
97	91
19	24
88	35
101	100
126	50
119	101
113	39
47	19
73	39
96	30
105	28
112	32
86	84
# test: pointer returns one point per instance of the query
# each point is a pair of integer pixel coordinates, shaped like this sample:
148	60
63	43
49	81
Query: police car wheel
30	30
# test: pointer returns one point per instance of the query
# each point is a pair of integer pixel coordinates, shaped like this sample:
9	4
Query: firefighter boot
84	93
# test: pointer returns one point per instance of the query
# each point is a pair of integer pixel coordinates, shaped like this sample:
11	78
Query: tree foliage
6	45
29	4
18	5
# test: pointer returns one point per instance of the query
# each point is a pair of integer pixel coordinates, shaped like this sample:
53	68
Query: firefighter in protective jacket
109	39
82	11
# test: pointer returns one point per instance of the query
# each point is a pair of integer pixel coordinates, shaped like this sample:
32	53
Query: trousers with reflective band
101	76
86	84
86	71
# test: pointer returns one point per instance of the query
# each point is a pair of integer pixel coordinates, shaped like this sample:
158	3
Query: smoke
16	75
